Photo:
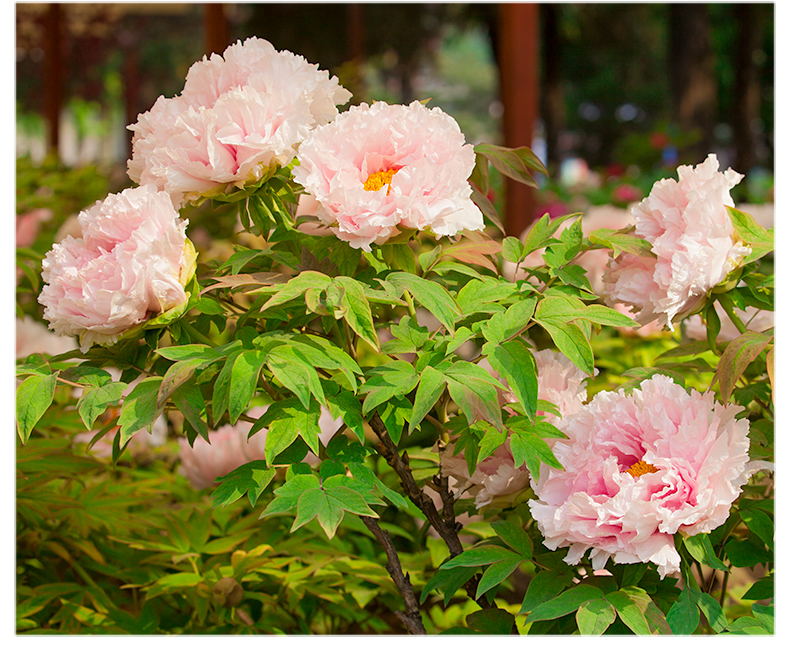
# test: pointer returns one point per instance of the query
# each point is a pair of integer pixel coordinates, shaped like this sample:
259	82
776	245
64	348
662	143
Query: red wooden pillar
518	69
215	26
53	73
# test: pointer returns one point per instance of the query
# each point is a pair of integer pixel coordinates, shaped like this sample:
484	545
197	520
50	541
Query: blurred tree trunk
518	75
553	105
54	65
746	109
692	76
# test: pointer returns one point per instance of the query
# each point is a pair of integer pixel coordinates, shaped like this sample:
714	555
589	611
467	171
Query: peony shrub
434	428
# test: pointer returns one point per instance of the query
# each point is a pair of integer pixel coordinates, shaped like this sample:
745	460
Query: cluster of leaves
395	344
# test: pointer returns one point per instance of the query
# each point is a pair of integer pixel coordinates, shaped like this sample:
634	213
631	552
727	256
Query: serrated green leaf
139	409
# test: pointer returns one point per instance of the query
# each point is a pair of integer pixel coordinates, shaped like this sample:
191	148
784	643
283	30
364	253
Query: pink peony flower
559	382
637	469
228	448
377	168
33	337
131	263
691	234
239	115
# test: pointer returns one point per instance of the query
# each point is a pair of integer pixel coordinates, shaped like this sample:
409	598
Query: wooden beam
53	73
215	25
518	69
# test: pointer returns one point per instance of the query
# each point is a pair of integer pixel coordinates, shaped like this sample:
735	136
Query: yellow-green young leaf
297	287
740	352
345	406
638	612
357	309
541	232
221	394
386	382
432	296
492	439
429	389
622	240
758	238
288	420
595	616
243	380
174	377
512	250
33	397
95	401
139	409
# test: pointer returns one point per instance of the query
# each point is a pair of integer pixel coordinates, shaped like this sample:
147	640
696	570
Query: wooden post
216	28
518	67
53	73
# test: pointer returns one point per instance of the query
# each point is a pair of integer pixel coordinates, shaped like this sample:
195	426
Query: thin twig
446	526
411	618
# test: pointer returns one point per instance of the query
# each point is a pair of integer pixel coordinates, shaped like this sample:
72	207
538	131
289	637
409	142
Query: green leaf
530	449
324	354
480	556
297	287
345	405
701	550
288	420
571	342
512	250
357	309
758	238
476	401
139	409
33	397
495	574
251	479
760	524
492	439
432	296
94	402
243	380
448	581
514	362
430	388
740	352
564	603
744	553
543	587
683	616
637	611
622	240
189	401
541	232
507	324
595	616
514	537
761	589
295	373
394	379
712	611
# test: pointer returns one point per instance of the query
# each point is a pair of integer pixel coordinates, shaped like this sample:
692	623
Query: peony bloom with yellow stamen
379	168
639	468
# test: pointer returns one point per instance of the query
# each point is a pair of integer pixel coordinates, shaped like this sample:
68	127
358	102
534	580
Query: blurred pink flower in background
626	193
380	167
637	469
754	319
127	266
29	224
692	236
559	382
239	114
33	337
228	448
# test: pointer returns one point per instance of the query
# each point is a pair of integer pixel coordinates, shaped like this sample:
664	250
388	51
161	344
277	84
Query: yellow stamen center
378	180
641	468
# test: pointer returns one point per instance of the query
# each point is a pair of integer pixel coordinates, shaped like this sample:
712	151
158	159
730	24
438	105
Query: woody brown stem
411	618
